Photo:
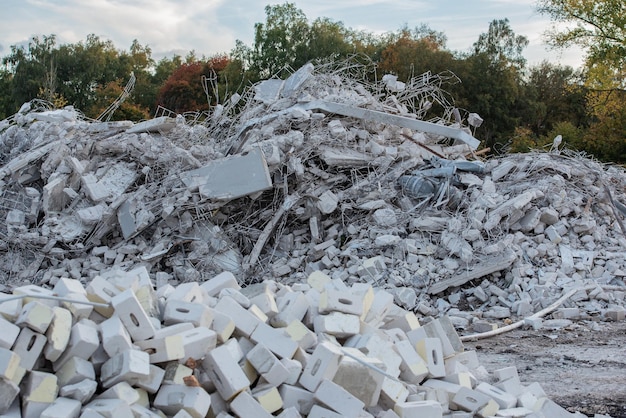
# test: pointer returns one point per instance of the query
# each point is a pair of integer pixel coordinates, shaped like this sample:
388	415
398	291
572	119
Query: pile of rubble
325	172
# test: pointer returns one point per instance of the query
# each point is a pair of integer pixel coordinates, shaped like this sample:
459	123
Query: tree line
522	106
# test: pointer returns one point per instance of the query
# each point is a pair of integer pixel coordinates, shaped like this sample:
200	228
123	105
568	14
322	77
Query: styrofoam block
133	316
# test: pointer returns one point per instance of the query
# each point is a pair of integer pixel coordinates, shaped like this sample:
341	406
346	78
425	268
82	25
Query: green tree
7	106
501	44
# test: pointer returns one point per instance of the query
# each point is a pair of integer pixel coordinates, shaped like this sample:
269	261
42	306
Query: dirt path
582	367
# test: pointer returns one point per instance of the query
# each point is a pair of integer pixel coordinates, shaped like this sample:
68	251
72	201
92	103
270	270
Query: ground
581	367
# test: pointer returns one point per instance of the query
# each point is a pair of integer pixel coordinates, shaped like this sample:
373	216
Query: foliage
501	44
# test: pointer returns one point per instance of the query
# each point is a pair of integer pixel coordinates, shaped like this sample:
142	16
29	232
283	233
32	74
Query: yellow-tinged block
41	387
175	373
318	280
269	399
301	334
490	409
9	363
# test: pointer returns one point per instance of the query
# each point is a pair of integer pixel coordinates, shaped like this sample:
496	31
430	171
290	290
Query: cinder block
413	368
357	374
133	316
127	365
152	381
161	350
339	324
8	333
275	340
84	341
291	306
268	365
108	408
268	397
62	408
430	350
244	405
322	364
58	333
115	337
192	399
245	322
8	394
296	397
75	370
9	363
225	373
223	280
338	399
301	334
177	311
422	409
36	316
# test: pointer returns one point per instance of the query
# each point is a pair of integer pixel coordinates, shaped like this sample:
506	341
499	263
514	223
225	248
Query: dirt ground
581	367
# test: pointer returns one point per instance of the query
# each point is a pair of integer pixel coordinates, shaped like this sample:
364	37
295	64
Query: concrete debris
321	175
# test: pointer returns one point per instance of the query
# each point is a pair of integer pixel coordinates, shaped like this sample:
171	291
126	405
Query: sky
209	27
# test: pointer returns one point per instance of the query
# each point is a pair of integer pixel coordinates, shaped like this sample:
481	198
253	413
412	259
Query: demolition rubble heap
273	255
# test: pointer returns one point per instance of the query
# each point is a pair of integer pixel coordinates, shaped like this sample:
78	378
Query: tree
183	90
501	44
599	26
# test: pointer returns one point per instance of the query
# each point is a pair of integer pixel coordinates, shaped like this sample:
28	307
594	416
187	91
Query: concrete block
422	409
470	400
461	379
161	350
413	368
289	413
84	341
78	310
333	300
192	399
366	292
239	297
297	397
81	391
323	364
291	306
275	340
123	391
294	368
8	394
391	393
268	365
245	322
339	324
127	365
406	322
9	364
38	391
140	411
449	389
467	360
266	302
506	373
133	316
152	381
62	408
115	337
58	333
514	412
224	280
32	290
504	400
9	310
301	334
36	316
377	344
188	292
225	373
8	333
75	370
198	342
244	405
177	311
321	412
338	399
108	408
268	397
176	373
431	351
318	280
100	290
357	374
381	304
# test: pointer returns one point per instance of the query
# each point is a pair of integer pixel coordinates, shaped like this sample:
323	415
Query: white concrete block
8	395
268	397
8	333
357	374
133	316
268	365
289	413
81	391
504	400
84	341
225	373
62	408
301	334
100	290
467	360
321	412
297	397
391	393
245	322
223	326
123	391
318	280
32	290
127	365
193	400
294	368
36	316
223	280
38	391
11	309
291	306
198	342
431	351
275	340
244	405
470	400
338	399
108	408
177	311
413	368
9	364
333	300
266	303
152	382
406	322
161	350
323	364
78	310
422	409
75	370
58	333
188	292
140	411
339	324
381	304
115	337
176	373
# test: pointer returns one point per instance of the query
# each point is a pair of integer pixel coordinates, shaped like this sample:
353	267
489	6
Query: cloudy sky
212	26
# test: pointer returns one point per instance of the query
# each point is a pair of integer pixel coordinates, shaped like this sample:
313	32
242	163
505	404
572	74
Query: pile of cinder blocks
118	348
